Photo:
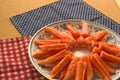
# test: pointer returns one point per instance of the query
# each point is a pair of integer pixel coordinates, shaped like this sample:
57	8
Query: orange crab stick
99	35
68	36
102	63
55	32
51	65
90	73
100	68
63	72
89	69
44	42
96	50
44	54
109	49
50	47
104	39
85	29
41	54
84	42
94	44
64	62
111	45
80	70
70	73
38	54
109	57
73	30
53	58
70	41
69	33
90	37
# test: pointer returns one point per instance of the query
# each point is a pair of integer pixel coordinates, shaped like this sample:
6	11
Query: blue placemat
28	23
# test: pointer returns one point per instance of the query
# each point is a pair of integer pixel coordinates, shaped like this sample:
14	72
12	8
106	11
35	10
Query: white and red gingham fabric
14	60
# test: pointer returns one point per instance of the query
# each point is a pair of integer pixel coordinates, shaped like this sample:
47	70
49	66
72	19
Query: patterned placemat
14	60
28	23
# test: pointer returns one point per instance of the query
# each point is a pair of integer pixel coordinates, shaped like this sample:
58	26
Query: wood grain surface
9	8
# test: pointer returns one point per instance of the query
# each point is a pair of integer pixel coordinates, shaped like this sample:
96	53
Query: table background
9	8
107	7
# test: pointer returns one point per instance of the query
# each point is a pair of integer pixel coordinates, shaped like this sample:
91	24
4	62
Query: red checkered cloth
14	60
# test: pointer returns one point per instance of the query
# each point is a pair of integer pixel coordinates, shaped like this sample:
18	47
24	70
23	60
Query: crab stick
69	33
109	49
89	69
44	42
57	46
73	30
53	58
63	72
64	62
80	70
84	42
96	50
102	63
90	37
70	73
99	35
109	57
100	68
111	45
55	32
104	39
41	54
85	29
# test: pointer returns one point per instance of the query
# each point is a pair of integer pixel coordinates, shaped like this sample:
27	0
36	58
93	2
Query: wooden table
9	8
107	7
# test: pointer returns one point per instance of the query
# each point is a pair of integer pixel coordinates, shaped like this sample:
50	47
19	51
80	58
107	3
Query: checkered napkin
28	23
14	60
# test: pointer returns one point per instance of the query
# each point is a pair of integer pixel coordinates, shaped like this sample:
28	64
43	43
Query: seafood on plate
57	53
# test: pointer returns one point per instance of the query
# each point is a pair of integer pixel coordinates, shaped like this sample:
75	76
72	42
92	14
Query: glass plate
41	34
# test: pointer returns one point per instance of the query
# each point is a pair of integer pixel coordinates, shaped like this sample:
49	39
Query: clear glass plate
41	34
